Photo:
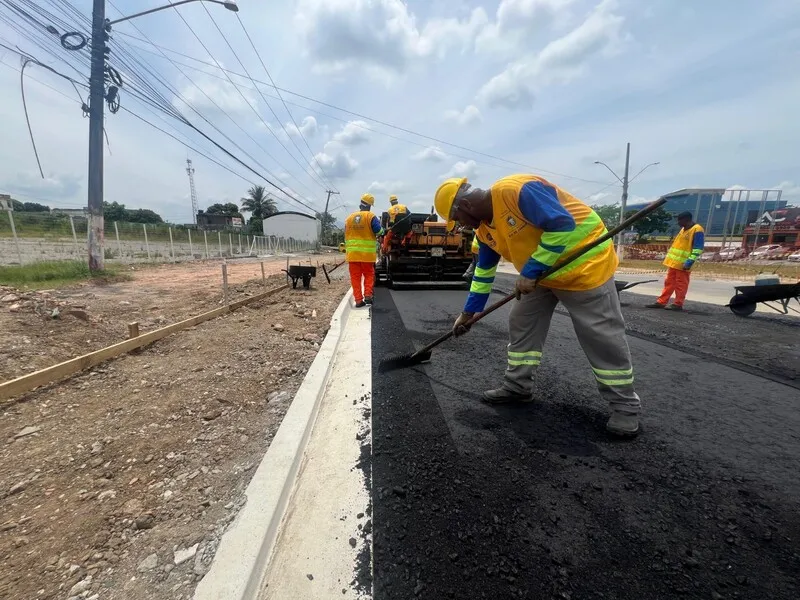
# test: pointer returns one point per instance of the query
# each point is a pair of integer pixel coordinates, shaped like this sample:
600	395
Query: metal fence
45	236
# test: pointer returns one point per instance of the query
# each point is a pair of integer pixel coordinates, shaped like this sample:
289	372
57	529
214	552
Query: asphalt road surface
472	501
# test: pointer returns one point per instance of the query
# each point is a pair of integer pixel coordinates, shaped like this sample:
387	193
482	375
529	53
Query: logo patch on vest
512	222
357	220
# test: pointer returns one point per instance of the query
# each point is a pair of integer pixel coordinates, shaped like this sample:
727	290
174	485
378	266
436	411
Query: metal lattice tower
190	172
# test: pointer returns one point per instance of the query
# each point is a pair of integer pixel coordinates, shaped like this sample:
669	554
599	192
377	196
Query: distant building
214	222
772	227
292	225
70	212
712	206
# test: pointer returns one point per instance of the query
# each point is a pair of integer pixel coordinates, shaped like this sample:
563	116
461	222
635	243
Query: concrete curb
245	549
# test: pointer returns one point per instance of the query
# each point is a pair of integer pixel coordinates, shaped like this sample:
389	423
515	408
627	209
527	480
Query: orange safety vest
681	249
516	239
359	239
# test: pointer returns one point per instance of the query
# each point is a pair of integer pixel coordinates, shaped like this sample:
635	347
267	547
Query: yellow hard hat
368	199
443	200
393	199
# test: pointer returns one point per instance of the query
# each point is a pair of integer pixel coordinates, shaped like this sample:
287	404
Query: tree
144	215
328	222
609	213
229	209
658	220
34	207
259	203
114	211
255	226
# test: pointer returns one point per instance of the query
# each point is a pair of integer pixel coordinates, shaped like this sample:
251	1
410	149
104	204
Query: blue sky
544	86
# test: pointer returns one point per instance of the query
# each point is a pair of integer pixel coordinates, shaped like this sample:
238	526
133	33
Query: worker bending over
395	210
361	230
532	223
686	248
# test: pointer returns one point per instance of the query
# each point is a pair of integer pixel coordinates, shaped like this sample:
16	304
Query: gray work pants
599	325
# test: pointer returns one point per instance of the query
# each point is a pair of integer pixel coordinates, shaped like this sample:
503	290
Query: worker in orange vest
685	250
361	230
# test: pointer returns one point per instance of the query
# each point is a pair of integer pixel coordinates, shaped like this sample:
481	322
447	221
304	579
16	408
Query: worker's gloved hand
460	327
524	285
687	266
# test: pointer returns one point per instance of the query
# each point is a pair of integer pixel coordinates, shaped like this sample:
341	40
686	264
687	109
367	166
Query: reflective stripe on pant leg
527	330
600	327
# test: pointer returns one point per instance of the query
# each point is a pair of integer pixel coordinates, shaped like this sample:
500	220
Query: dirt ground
90	316
119	482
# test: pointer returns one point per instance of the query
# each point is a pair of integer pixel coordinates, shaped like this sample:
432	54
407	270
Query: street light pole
100	28
96	111
325	215
620	246
625	181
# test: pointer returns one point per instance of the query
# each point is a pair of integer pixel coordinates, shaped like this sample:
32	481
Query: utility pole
325	214
96	109
624	200
192	190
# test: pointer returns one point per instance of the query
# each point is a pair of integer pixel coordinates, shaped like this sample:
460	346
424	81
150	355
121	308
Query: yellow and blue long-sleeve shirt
539	204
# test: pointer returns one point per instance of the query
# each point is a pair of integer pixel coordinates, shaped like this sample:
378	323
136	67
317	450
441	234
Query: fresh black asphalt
472	501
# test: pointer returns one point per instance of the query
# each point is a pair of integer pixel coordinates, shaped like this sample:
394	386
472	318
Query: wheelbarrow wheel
741	309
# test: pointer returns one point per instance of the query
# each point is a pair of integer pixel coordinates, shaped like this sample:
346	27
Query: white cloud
383	34
206	92
352	133
308	127
336	165
516	20
430	154
790	192
559	62
469	115
388	187
463	168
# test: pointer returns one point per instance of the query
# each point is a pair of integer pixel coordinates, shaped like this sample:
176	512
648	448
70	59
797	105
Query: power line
289	112
191	106
362	116
247	101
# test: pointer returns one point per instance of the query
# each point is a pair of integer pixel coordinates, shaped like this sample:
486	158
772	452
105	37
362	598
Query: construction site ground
119	482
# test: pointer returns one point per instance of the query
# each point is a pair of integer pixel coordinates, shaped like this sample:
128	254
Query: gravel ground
538	502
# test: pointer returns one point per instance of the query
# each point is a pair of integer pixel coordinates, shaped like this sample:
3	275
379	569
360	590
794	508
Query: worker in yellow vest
395	209
467	276
361	230
686	248
531	223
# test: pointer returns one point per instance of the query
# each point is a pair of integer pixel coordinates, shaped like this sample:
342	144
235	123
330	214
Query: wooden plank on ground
23	384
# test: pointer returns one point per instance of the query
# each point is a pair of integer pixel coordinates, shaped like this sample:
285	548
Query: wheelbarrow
298	272
744	302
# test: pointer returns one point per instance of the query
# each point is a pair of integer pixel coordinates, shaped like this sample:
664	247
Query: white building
290	225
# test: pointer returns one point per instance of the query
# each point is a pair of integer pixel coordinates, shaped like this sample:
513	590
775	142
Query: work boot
360	304
623	424
368	300
674	307
505	396
655	305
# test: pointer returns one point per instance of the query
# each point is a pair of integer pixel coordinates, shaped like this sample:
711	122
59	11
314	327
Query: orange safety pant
676	281
387	240
359	270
